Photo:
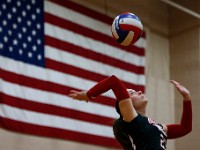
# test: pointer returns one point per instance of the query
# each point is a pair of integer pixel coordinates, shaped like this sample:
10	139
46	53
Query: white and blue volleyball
126	28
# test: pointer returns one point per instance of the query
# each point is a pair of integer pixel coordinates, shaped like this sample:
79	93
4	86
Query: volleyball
126	28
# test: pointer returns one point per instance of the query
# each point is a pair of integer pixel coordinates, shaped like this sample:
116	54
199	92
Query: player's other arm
185	125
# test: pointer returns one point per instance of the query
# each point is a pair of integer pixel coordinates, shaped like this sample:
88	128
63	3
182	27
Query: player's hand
184	91
78	95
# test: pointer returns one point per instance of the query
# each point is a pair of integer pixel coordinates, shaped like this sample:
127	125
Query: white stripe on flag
77	18
54	121
91	65
49	75
96	46
44	74
46	97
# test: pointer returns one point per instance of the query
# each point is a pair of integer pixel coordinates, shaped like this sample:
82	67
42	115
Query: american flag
48	48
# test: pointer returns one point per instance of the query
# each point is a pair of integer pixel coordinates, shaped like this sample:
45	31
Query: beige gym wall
185	65
162	55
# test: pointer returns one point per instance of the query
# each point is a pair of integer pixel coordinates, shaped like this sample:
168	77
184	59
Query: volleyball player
134	130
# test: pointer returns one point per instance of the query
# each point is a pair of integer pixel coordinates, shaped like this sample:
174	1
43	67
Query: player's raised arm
111	83
185	126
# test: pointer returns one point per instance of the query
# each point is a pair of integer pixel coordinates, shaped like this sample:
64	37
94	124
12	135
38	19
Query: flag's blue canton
22	30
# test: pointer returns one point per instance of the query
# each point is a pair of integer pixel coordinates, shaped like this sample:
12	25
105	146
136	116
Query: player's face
138	98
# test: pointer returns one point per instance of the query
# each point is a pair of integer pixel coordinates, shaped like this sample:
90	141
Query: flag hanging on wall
48	48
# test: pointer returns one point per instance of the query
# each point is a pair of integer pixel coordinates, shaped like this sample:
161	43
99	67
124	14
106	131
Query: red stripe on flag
53	110
47	86
68	47
83	10
75	71
85	73
65	24
57	133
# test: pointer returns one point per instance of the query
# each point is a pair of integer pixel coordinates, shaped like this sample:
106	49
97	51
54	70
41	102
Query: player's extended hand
79	95
184	91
